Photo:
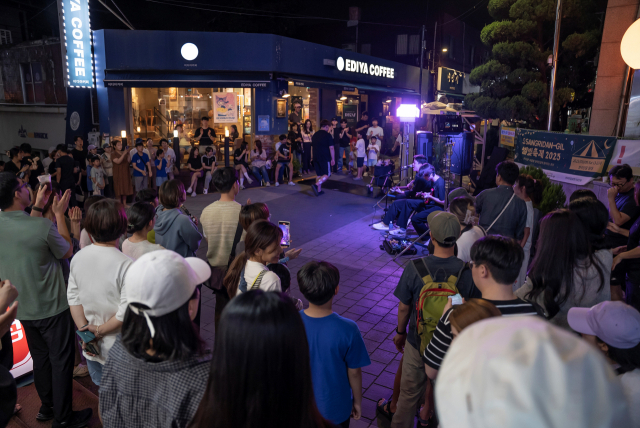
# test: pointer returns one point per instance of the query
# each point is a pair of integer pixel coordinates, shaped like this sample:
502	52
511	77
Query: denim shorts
371	162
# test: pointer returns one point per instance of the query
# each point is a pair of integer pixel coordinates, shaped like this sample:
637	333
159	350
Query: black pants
401	210
336	152
632	294
306	157
419	219
72	201
51	342
345	424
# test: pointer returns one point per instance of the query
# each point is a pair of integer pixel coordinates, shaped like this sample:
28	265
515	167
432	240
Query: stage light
629	46
408	112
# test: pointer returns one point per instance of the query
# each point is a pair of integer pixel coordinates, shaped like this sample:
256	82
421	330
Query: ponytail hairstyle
459	207
139	215
261	235
253	212
532	187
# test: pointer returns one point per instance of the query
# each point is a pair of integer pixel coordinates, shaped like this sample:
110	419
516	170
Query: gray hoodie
176	232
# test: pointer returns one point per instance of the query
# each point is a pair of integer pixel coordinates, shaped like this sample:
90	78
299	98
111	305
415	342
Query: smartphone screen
286	235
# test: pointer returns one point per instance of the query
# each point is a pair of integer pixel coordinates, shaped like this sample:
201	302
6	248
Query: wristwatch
401	333
40	210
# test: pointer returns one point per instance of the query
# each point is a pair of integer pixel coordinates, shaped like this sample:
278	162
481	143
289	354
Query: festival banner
225	108
569	154
627	151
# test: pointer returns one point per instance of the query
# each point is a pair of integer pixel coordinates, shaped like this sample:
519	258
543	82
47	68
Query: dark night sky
185	15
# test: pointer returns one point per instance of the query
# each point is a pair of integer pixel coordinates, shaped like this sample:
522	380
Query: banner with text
568	154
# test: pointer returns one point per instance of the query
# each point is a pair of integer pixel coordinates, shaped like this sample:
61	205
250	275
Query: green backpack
430	304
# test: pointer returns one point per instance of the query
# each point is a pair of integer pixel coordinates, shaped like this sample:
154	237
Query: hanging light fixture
629	46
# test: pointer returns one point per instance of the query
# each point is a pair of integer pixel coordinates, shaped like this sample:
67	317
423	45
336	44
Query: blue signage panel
77	42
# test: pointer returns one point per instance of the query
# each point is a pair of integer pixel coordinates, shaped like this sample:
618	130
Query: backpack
432	299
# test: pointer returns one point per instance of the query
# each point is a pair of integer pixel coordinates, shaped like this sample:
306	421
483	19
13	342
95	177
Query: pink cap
615	323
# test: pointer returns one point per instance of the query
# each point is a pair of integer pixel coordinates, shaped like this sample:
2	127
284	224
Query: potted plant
553	196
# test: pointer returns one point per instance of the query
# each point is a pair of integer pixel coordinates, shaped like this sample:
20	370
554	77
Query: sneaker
321	192
357	178
189	190
193	195
205	191
366	174
45	413
291	183
80	370
249	180
398	233
315	189
242	187
277	184
380	226
77	419
268	184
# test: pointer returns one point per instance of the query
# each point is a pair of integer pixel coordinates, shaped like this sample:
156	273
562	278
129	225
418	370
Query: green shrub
553	196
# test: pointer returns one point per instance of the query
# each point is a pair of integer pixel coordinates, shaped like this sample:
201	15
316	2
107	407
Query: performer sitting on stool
427	202
408	191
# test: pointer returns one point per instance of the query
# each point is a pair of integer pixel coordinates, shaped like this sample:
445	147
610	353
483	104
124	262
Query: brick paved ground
368	277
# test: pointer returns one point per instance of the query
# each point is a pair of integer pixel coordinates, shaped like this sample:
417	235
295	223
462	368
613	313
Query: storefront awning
185	80
346	86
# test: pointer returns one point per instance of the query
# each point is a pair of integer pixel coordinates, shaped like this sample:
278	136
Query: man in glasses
296	114
623	212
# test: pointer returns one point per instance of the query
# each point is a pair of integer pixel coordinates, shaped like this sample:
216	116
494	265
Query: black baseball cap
336	118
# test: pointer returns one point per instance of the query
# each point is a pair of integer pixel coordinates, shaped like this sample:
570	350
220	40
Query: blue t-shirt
161	167
141	163
335	344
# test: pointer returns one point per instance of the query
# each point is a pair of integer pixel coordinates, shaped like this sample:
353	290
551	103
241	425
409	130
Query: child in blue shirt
161	168
336	346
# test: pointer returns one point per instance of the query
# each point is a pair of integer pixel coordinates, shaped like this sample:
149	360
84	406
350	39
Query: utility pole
554	64
422	48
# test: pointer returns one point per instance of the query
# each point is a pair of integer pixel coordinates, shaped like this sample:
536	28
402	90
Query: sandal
431	422
384	408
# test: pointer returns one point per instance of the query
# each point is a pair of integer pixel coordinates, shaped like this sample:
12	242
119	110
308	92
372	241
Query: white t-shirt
377	132
360	147
529	224
170	156
270	281
466	241
86	240
372	153
631	387
96	281
135	250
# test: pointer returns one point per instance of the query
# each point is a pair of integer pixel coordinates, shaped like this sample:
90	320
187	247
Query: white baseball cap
519	372
615	323
163	281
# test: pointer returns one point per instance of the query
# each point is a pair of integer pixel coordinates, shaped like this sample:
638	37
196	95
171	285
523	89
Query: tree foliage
514	83
553	196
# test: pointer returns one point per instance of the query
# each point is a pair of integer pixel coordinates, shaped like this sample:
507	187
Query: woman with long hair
262	246
530	191
463	208
260	372
122	185
156	373
240	157
195	166
233	133
259	163
307	134
565	272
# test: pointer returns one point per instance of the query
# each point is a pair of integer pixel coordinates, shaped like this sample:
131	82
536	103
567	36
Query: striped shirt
442	337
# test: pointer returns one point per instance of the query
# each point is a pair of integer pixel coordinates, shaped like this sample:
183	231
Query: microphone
406	167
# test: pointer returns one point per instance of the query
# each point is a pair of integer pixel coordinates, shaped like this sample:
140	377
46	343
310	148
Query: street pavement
335	228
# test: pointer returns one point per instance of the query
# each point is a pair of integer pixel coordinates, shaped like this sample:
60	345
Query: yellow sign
508	136
589	159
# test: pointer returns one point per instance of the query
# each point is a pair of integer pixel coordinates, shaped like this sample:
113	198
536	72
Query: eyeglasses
619	185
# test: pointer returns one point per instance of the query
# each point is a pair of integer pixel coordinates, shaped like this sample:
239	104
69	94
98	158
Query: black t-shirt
52	167
208	161
335	132
362	123
438	190
205	140
344	141
80	156
321	141
237	160
33	178
410	285
195	163
285	153
296	146
11	167
66	165
420	185
626	204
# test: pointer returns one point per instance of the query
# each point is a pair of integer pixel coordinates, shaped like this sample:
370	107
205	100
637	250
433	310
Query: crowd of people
511	320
